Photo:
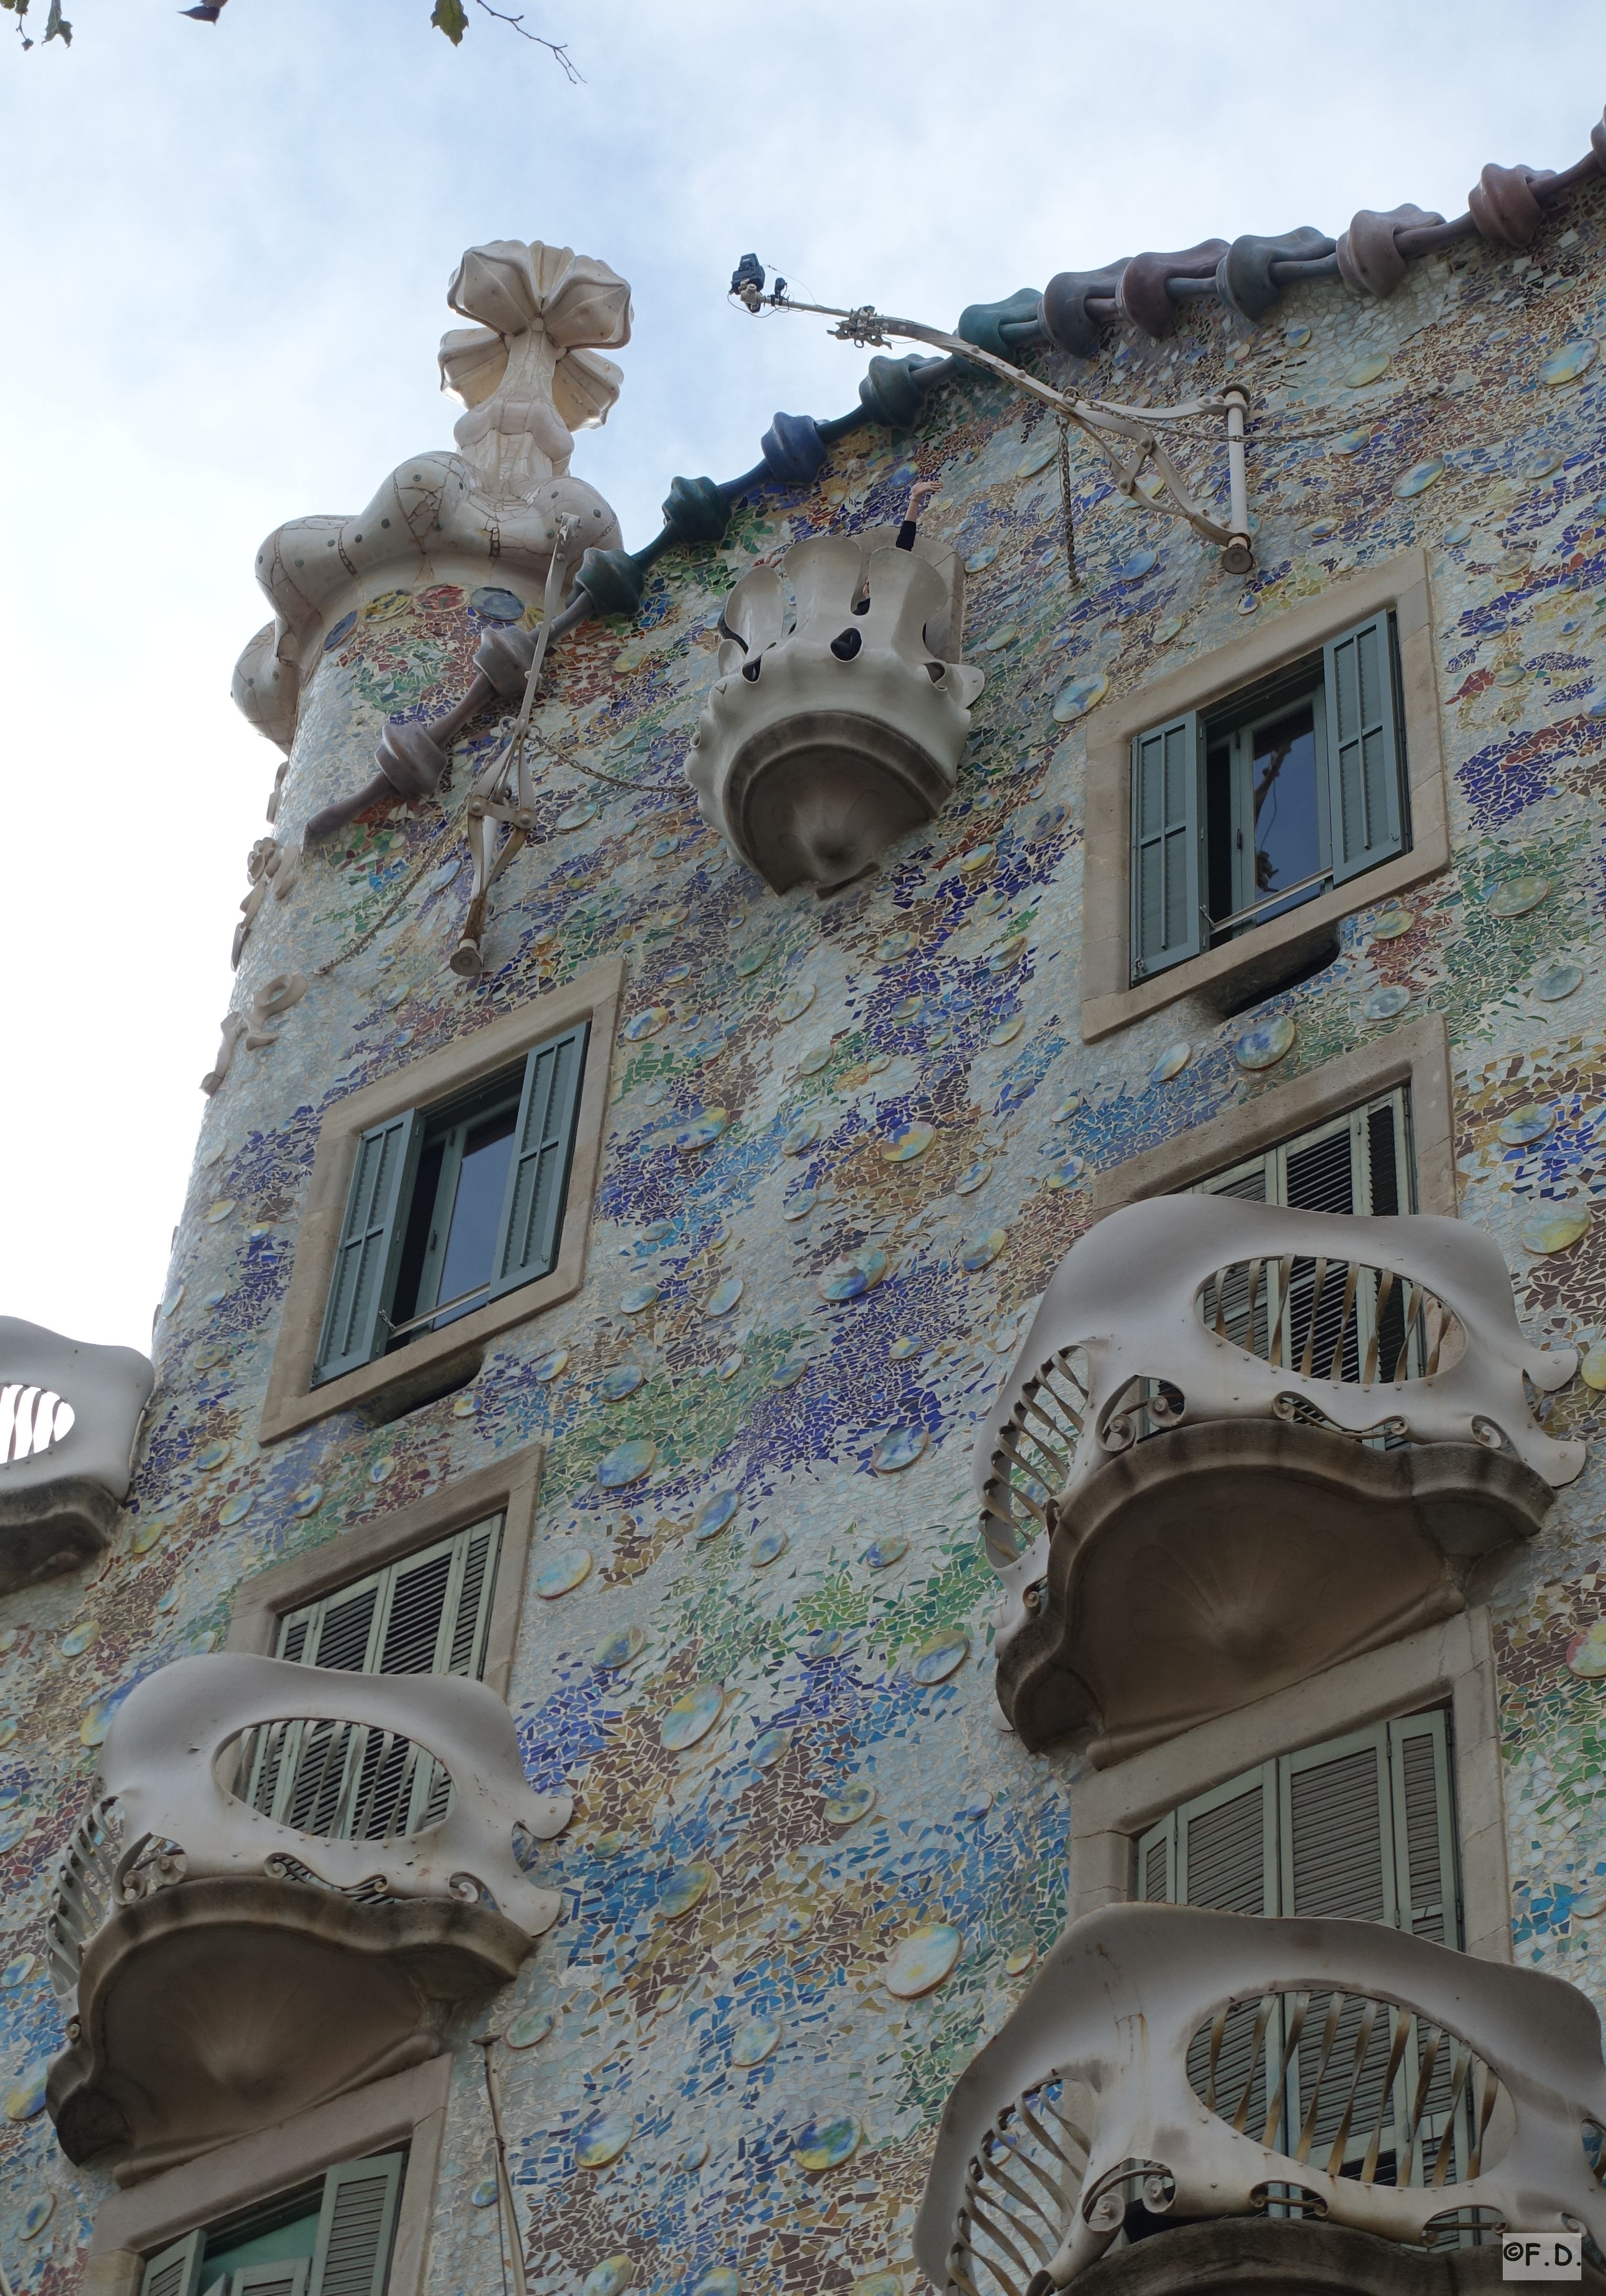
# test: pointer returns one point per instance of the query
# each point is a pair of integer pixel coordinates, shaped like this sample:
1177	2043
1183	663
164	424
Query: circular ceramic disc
563	1570
692	1717
601	2139
1265	1047
921	1960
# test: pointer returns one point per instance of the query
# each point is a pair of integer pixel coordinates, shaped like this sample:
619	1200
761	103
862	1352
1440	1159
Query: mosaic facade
846	1145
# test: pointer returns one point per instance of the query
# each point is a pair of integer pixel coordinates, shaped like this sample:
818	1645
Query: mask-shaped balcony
287	1880
1170	2070
835	728
70	1417
1241	1444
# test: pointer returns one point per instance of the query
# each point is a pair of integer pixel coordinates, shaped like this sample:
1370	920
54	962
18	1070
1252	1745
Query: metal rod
439	1309
1284	893
504	2191
1239	556
1103	420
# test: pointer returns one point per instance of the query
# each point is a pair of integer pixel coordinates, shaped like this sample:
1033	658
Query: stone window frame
1416	1055
509	1486
408	2108
1111	999
435	1362
1451	1663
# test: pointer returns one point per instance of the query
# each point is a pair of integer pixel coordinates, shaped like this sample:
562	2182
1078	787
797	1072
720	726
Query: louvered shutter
356	2227
425	1614
286	2278
1157	1863
1166	813
1338	1863
1365	795
428	1613
1225	1859
364	1268
1424	1833
537	1179
176	2271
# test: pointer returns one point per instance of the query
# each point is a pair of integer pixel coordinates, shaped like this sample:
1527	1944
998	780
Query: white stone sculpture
288	1879
254	1027
836	727
60	1493
530	376
1108	2085
267	864
1173	1459
163	1763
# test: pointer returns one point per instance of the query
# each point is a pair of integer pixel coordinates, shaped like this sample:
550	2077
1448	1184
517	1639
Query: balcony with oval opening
286	1880
1189	2101
1242	1443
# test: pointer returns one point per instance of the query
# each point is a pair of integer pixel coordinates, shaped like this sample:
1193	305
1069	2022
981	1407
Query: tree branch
558	53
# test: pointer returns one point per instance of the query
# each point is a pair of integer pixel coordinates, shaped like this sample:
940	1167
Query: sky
223	266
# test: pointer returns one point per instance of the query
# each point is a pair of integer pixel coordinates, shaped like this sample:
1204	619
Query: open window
1248	810
451	1207
331	2238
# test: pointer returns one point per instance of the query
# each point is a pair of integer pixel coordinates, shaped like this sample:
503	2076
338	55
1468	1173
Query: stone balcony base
1213	1565
1253	2256
216	2007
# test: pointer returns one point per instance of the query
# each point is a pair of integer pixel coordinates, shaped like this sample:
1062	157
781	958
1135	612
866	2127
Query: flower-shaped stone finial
530	374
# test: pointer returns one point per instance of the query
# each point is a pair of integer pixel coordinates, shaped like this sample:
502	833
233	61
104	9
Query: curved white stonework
1121	2014
809	761
530	378
1130	1304
59	1500
166	1757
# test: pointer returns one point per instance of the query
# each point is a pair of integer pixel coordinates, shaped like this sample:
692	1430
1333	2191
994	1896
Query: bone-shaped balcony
836	725
1317	2081
1241	1444
285	1881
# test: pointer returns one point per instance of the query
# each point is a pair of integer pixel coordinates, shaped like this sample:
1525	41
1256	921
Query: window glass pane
1284	807
227	2252
476	1207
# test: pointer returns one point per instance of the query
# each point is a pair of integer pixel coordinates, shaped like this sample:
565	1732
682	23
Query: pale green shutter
1157	1863
286	2278
425	1614
428	1613
1365	797
1424	1831
176	2271
356	2227
537	1179
1225	1858
355	1325
1338	1836
1166	821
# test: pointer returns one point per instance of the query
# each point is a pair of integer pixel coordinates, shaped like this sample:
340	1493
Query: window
426	1614
429	1613
1359	1829
1249	810
451	1207
332	2239
1359	1163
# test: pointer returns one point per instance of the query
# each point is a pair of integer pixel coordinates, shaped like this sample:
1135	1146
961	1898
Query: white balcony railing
381	1787
1196	2065
1343	1418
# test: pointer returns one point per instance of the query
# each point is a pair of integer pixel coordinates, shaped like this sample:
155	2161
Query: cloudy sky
225	256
